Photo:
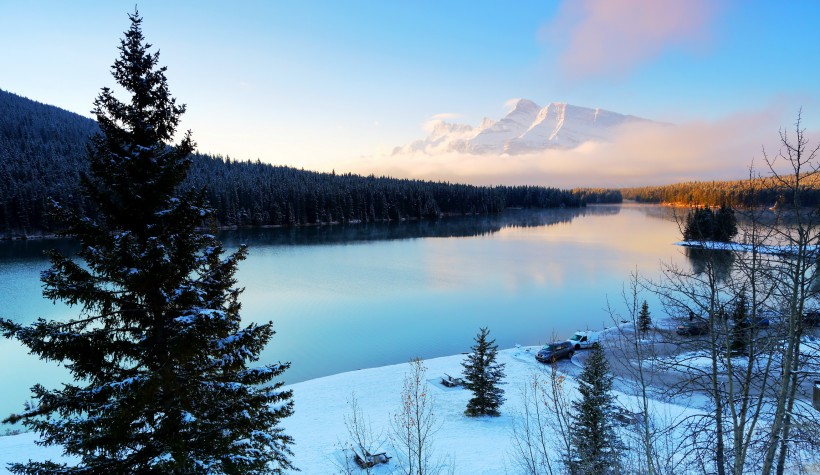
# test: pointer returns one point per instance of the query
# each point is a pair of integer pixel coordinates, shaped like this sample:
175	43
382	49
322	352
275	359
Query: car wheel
577	346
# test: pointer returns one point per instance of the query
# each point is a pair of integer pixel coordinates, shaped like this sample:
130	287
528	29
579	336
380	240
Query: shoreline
483	445
11	237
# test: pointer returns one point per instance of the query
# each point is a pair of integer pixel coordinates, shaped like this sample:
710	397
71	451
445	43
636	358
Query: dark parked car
754	322
555	351
692	328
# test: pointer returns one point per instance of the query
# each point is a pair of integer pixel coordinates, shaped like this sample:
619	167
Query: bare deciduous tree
755	378
412	429
362	440
798	227
722	435
634	353
541	427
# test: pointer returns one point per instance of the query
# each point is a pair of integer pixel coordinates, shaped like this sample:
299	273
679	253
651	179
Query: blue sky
320	85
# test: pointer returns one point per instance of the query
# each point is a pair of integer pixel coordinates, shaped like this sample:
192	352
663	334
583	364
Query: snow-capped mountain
527	128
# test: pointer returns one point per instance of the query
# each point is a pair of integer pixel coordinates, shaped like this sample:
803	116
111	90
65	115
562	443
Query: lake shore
461	444
482	445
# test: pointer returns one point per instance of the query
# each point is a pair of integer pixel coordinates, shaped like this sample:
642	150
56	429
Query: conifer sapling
593	441
482	375
644	318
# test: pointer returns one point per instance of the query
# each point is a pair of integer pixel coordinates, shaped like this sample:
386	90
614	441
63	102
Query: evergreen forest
765	191
43	150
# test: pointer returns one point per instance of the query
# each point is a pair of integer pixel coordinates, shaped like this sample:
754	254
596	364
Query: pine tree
740	334
594	443
704	224
482	375
700	225
740	311
725	224
162	382
644	319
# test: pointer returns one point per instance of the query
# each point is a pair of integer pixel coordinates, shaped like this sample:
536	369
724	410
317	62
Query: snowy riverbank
466	445
782	250
473	445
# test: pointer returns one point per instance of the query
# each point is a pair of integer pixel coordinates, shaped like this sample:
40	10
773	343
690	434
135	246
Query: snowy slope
469	445
493	138
527	128
464	445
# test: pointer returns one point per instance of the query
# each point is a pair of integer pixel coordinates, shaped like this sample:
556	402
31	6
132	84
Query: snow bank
473	445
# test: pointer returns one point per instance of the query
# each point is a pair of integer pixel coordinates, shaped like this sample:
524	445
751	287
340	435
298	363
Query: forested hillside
43	151
737	193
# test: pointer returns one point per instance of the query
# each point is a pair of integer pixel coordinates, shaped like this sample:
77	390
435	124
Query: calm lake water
357	296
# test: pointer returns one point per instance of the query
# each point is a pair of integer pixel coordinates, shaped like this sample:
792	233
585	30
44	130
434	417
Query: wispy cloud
641	154
446	116
611	37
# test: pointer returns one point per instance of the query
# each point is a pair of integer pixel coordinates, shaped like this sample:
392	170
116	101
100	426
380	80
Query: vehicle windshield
554	347
577	336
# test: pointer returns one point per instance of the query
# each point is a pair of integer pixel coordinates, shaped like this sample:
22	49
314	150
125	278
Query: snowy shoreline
481	445
784	250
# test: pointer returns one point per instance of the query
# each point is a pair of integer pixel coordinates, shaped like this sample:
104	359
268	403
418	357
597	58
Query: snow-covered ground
468	445
464	445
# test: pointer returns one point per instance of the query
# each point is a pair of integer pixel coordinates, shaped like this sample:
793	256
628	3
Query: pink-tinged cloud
611	37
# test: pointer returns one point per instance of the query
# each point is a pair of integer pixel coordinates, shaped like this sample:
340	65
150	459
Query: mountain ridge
527	128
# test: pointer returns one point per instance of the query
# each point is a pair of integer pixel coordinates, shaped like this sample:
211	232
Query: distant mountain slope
527	128
42	155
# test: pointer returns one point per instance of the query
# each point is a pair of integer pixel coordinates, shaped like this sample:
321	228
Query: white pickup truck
583	339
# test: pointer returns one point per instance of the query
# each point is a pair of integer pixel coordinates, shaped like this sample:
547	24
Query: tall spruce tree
594	443
482	375
699	225
162	382
725	224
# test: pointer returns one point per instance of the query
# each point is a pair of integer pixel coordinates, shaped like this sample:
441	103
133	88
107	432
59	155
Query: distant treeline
598	195
43	153
737	193
254	193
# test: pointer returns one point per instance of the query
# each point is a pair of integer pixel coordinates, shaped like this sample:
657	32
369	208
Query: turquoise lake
356	296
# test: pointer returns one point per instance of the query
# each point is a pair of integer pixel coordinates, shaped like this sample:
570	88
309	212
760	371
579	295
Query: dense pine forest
42	150
736	193
43	154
